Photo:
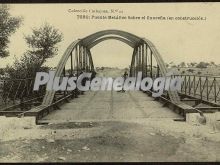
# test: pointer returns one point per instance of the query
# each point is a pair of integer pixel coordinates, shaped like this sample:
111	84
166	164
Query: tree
43	42
212	63
182	64
193	64
202	65
8	26
2	71
26	67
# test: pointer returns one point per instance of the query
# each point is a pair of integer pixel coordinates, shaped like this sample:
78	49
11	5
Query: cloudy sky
176	40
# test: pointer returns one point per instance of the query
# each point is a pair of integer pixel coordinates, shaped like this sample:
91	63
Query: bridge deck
110	105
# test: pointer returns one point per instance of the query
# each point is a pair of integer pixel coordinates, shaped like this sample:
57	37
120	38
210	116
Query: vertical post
90	66
136	67
215	90
64	74
77	61
207	86
71	63
146	61
90	60
82	59
158	71
86	60
143	61
200	86
132	64
189	84
131	67
151	64
194	85
185	84
139	54
182	85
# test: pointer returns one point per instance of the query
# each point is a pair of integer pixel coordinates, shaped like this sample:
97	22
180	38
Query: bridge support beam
71	63
140	58
136	62
146	50
158	71
132	66
151	64
77	59
90	61
143	60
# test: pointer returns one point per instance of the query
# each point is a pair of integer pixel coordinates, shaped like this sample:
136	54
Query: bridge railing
202	87
59	95
18	91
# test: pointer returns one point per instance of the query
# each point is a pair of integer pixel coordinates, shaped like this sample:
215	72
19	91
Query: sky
177	41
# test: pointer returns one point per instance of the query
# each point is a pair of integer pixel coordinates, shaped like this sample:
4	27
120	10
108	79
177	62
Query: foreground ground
110	126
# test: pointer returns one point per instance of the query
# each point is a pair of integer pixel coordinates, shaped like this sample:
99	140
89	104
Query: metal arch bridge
84	58
79	55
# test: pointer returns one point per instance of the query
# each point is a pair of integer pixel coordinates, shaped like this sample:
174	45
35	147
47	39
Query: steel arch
93	39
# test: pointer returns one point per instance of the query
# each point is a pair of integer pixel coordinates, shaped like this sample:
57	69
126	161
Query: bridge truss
78	57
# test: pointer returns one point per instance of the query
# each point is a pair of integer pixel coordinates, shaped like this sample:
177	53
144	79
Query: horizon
184	41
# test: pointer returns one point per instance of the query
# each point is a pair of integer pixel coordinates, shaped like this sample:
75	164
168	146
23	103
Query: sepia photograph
109	82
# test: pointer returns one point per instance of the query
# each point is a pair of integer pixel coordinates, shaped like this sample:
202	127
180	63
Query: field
210	71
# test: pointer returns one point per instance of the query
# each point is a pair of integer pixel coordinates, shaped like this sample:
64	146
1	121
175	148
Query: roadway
111	105
110	126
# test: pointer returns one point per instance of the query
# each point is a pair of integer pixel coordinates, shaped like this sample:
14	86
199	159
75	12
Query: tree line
200	65
42	44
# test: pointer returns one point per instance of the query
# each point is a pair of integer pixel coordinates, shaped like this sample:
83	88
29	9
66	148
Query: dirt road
110	126
107	105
